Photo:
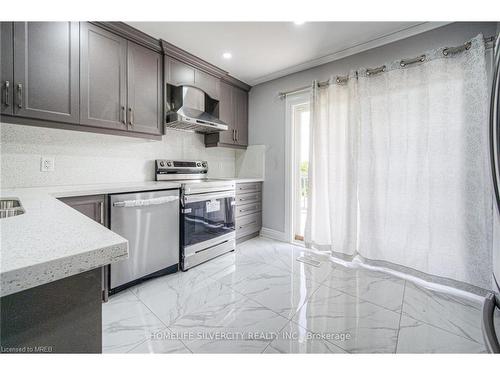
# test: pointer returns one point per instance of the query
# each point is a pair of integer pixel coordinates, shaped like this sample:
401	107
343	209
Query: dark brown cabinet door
240	104
91	206
178	73
103	78
46	70
207	83
6	67
144	94
233	110
226	113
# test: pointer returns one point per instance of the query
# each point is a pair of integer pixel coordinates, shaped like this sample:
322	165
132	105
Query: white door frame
292	100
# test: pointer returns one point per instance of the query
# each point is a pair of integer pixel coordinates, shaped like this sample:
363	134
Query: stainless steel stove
207	210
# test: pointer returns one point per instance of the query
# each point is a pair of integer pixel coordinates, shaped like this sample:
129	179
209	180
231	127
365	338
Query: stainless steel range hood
189	108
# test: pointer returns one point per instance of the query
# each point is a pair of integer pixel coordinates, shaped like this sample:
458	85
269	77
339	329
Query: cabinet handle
7	94
19	95
130	117
233	136
252	187
124	115
101	209
247	224
236	135
249	209
249	198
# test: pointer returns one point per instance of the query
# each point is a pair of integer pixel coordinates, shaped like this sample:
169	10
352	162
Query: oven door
207	216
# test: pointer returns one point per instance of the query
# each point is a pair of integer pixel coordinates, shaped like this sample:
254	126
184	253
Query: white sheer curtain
424	183
331	218
419	175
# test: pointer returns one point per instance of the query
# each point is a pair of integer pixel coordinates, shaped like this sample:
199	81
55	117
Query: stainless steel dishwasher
150	223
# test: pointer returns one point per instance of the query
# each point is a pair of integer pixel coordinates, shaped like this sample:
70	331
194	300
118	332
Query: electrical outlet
47	164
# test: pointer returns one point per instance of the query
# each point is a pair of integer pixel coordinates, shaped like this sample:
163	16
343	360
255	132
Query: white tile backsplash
82	157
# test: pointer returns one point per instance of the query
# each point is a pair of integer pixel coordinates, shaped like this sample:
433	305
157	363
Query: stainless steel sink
10	207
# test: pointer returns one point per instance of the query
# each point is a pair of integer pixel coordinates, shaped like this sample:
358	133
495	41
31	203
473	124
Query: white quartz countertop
51	240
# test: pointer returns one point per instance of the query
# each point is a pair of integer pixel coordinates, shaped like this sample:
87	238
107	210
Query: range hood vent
189	108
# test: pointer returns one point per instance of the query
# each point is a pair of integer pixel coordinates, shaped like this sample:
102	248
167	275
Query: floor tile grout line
157	317
363	299
307	329
480	342
441	329
279	331
147	307
400	318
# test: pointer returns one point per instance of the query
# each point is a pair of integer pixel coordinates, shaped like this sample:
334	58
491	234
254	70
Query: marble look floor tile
220	263
419	337
126	322
242	268
372	329
269	251
304	270
379	288
278	289
296	339
243	320
453	314
171	297
161	344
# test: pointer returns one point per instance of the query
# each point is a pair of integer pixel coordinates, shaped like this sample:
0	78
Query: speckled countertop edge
52	241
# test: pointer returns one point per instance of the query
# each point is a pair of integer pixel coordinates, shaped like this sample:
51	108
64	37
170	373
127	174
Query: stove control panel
180	169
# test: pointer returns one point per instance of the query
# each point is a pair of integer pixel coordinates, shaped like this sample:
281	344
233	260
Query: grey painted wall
267	111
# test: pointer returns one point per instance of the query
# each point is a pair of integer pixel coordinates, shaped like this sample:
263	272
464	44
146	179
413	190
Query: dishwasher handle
145	202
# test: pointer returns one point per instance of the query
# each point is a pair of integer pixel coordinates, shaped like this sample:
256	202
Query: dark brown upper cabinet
226	112
178	73
207	83
240	105
6	67
233	110
106	77
46	71
144	94
120	83
103	72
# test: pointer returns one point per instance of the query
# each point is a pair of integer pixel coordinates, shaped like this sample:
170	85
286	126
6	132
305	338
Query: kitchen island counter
52	241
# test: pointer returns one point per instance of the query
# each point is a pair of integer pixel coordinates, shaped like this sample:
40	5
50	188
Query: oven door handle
208	196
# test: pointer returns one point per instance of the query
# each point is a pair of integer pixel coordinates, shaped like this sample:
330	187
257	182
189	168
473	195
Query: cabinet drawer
248	187
248	224
247	209
242	199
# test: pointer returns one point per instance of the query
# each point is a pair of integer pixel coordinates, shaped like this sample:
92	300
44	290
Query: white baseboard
273	234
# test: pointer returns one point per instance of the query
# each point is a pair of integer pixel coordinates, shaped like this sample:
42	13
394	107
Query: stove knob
162	164
198	164
205	164
169	163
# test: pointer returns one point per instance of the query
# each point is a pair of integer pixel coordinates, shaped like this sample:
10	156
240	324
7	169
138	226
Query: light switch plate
47	164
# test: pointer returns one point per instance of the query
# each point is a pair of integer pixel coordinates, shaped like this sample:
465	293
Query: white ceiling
262	51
